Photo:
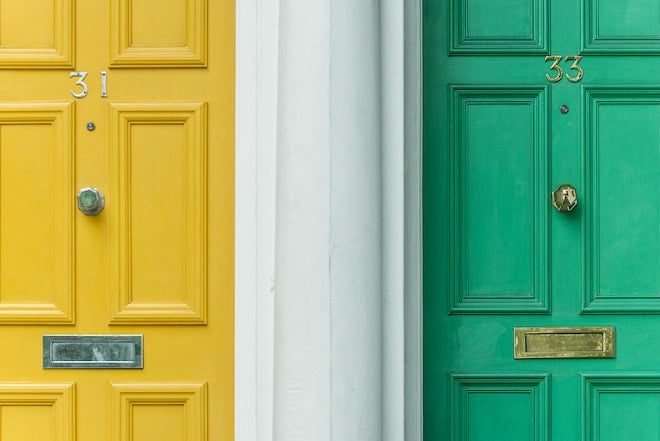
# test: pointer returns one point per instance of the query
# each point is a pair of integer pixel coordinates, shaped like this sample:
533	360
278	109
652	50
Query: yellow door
116	326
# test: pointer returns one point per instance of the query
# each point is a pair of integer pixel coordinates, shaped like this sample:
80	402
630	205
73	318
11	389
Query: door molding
257	24
413	234
257	60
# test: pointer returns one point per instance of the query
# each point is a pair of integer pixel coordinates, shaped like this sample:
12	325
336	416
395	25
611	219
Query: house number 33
82	85
556	59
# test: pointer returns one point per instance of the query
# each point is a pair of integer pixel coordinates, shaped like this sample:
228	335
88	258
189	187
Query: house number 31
80	82
556	59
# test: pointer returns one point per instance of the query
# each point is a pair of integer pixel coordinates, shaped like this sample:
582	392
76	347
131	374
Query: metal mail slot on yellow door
92	351
564	342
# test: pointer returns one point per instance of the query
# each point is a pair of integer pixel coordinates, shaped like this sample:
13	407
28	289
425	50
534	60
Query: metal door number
556	59
83	85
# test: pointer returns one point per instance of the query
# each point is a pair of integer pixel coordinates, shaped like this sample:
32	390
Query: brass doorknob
564	198
90	201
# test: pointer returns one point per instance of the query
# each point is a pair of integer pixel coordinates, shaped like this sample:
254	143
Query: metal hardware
93	351
576	61
104	84
563	109
90	201
564	342
91	126
80	82
84	89
555	66
564	198
556	59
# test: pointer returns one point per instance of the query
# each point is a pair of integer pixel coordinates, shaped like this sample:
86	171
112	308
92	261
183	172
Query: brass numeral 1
556	59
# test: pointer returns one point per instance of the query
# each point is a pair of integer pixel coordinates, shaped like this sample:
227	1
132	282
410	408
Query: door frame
257	58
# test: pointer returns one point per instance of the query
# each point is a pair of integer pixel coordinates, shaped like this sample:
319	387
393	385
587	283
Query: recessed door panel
165	411
160	241
621	26
159	33
37	411
500	175
36	180
623	241
617	406
37	35
500	408
508	26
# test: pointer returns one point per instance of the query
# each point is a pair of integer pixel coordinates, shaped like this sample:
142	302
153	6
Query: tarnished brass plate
564	342
92	351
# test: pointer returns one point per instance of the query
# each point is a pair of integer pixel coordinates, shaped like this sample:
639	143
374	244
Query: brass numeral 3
556	59
580	73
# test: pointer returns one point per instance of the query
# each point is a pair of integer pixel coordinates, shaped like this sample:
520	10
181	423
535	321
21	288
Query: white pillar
327	345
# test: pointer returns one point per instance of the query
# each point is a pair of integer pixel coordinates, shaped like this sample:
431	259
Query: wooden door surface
541	324
118	325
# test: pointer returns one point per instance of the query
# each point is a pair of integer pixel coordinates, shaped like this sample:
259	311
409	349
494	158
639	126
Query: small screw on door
91	126
563	109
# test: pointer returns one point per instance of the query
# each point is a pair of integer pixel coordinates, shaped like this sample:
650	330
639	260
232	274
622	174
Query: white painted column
328	170
328	268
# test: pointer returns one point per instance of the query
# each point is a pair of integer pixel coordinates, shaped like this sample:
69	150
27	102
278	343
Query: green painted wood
481	407
618	407
497	255
485	184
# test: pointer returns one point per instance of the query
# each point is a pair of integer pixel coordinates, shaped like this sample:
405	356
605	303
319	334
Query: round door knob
90	201
564	198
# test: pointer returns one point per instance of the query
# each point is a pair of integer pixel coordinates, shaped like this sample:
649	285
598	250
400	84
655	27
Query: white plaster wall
327	282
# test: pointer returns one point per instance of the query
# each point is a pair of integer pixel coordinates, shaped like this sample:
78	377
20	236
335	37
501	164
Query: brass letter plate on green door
92	351
578	342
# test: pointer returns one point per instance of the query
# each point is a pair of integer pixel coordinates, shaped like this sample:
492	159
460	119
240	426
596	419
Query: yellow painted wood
44	412
162	411
160	249
159	259
159	33
37	34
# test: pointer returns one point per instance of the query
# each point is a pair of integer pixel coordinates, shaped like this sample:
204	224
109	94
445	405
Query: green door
541	325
